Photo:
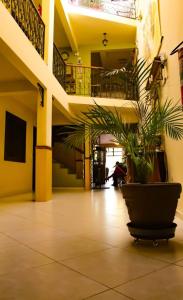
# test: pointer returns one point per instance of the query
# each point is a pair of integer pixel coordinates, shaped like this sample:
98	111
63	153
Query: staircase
63	178
67	164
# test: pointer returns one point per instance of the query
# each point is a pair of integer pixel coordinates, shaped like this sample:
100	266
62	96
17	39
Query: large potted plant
151	206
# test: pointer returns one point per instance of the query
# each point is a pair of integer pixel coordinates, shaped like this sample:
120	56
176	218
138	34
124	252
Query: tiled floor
77	246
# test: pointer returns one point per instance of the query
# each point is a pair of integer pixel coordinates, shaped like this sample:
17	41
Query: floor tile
7	242
114	236
68	247
18	257
114	266
51	282
167	252
109	295
160	285
179	231
35	234
77	247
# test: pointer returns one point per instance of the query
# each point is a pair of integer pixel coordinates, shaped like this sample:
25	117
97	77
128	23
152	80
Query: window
15	138
115	152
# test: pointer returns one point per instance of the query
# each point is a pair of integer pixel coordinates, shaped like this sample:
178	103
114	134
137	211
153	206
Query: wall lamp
105	41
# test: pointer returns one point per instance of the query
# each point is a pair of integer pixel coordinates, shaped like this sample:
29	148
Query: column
48	19
87	164
43	149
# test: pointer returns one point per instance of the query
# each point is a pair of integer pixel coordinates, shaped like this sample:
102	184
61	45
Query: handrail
176	49
59	66
27	17
96	82
83	66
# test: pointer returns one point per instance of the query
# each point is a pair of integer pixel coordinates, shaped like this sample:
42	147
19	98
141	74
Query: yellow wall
172	29
15	177
85	52
149	29
35	69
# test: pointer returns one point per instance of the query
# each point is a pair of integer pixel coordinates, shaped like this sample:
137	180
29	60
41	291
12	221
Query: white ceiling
88	31
89	26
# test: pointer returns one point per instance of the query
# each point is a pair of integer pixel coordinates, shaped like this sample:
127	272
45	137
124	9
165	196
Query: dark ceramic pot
151	206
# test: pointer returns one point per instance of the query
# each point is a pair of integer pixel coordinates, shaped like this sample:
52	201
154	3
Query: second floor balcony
76	79
27	17
122	8
80	80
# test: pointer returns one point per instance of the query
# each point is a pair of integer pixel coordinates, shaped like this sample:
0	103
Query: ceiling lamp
105	41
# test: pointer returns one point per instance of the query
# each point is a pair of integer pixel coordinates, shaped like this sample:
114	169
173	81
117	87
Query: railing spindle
27	17
59	68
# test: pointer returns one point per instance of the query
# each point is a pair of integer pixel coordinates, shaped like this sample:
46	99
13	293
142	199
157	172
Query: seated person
119	172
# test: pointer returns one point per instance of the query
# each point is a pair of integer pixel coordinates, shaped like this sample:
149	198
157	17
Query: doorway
112	156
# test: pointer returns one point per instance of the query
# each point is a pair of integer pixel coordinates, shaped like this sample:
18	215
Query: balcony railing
93	82
59	66
81	80
123	8
26	15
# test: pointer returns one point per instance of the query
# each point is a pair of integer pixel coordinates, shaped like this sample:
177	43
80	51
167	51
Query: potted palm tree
151	206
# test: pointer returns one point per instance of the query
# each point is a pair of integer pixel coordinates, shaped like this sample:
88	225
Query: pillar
87	164
44	114
43	187
48	19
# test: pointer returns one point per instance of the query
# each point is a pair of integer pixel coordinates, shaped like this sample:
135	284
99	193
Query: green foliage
139	141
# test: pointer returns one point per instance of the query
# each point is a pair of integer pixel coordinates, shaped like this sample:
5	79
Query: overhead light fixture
105	41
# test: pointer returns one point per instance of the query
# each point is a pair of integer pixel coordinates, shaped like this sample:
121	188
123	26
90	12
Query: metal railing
96	82
81	80
27	17
123	8
78	80
59	66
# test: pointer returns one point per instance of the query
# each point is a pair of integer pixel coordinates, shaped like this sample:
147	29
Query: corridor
77	246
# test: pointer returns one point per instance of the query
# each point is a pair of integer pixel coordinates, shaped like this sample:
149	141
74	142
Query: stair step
62	177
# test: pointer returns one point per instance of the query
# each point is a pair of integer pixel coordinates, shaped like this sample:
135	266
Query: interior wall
34	69
171	26
85	52
149	29
170	13
15	177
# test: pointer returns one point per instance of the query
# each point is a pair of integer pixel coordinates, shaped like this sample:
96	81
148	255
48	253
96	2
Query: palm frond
153	120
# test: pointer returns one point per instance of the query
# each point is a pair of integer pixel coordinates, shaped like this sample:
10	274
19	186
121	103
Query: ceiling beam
67	25
16	87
